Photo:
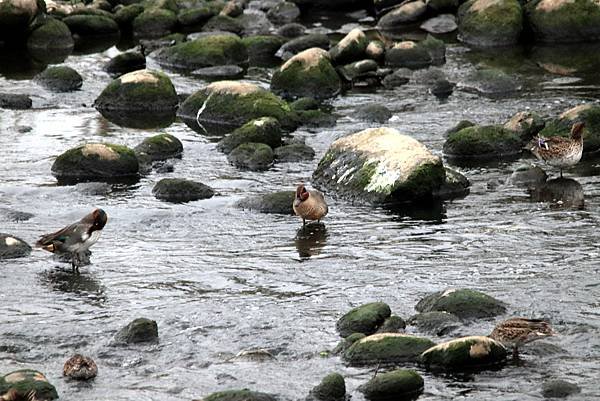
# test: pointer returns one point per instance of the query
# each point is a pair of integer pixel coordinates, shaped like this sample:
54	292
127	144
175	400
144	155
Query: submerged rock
491	82
331	388
126	62
475	352
463	303
15	101
159	147
239	395
275	203
80	367
91	25
60	79
297	45
438	323
560	193
559	388
483	142
12	247
386	348
252	156
96	161
399	384
26	384
138	331
294	152
364	319
179	190
51	40
380	165
564	21
265	130
307	74
490	22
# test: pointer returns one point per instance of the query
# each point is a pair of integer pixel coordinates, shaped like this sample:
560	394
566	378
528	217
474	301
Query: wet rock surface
364	319
13	247
386	348
139	330
277	203
464	303
473	352
60	79
400	384
179	190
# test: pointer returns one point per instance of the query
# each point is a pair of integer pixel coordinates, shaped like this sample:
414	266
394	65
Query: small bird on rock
76	238
310	205
558	151
513	333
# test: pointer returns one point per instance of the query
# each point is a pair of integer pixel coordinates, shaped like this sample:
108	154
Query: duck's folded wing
52	239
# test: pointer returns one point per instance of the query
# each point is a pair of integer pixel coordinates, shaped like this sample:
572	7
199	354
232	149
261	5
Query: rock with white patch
159	147
96	162
564	21
265	130
464	303
408	54
379	166
12	247
26	384
474	352
386	348
489	23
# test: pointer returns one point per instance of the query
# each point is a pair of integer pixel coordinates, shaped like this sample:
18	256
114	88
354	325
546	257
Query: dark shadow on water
207	128
560	193
119	183
481	162
310	239
432	211
142	120
84	285
94	44
18	64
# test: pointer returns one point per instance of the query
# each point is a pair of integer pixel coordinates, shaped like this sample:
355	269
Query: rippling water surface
219	280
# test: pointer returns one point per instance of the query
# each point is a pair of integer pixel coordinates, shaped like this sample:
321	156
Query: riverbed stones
351	48
440	24
491	82
483	142
252	156
126	62
239	395
283	13
224	23
587	113
140	91
399	384
331	388
96	162
489	23
125	16
373	112
79	367
159	147
51	37
12	247
16	101
262	48
463	303
438	323
393	324
526	124
206	51
154	22
380	165
265	130
138	331
386	348
226	105
564	21
474	352
26	384
294	152
307	74
408	54
180	190
299	44
558	388
194	18
91	25
403	16
60	79
364	319
15	16
272	203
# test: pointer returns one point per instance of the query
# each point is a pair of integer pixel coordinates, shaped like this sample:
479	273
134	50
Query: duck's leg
303	222
515	353
561	173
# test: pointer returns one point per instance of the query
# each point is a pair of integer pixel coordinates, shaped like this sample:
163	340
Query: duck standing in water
76	238
310	205
513	333
558	151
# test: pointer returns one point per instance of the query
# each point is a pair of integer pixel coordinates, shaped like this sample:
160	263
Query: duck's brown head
577	130
100	218
301	194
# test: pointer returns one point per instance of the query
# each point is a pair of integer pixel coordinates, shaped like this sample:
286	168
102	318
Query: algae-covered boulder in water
51	36
142	90
276	203
564	21
230	104
491	82
26	384
262	48
402	17
490	22
351	48
464	303
380	165
154	23
526	124
473	352
438	323
386	348
589	114
294	152
179	190
138	331
399	384
92	25
96	161
331	388
252	156
265	130
60	79
364	319
408	54
393	324
483	142
307	74
159	147
239	395
207	51
12	247
15	16
125	62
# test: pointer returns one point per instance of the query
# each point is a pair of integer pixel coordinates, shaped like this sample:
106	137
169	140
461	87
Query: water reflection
311	239
434	211
94	44
560	193
141	120
84	284
17	64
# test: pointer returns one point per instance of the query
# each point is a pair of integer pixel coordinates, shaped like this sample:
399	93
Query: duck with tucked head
310	205
558	151
76	238
513	333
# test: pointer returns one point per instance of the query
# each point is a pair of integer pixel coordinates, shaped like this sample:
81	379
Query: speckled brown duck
310	205
558	151
80	367
513	333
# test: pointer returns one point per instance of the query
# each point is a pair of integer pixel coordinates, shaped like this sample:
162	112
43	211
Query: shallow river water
219	280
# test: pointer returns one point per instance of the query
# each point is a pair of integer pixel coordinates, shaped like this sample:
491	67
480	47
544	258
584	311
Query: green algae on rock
137	331
239	395
159	147
265	130
399	384
489	23
274	203
50	37
331	388
154	23
92	25
252	156
474	352
483	142
179	190
351	48
386	348
60	79
364	319
464	303
564	21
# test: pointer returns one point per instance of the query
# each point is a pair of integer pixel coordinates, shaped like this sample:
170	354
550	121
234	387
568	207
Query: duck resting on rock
310	205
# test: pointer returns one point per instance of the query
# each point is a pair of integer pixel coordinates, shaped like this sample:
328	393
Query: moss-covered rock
473	352
393	324
436	49
408	54
380	165
179	190
265	130
60	79
345	343
589	114
96	161
351	48
560	193
205	51
26	384
364	319
459	126
399	384
294	152
142	90
564	21
262	49
374	112
154	23
299	44
195	17
239	395
331	388
402	17
386	348
51	37
15	16
252	156
491	82
91	25
438	323
526	124
223	23
159	147
226	105
490	22
12	247
307	74
138	331
274	203
463	303
125	16
483	142
126	62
